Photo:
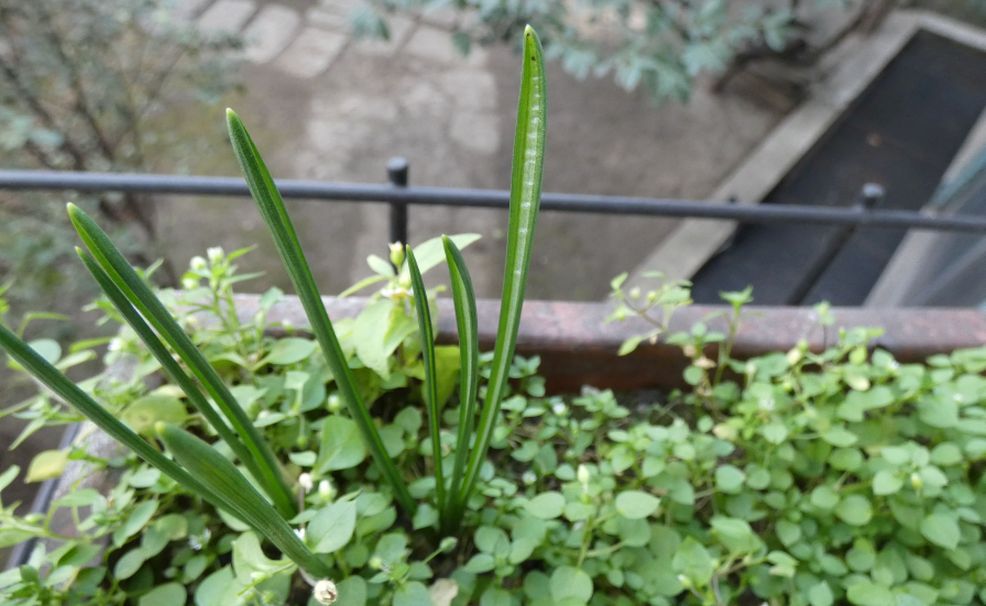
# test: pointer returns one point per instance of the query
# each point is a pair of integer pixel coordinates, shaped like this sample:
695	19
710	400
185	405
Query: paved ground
324	105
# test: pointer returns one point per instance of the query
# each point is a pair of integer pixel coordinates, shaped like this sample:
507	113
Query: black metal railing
399	195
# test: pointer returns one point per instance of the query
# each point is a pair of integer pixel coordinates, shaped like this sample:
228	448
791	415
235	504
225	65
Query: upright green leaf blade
431	380
261	460
467	323
525	200
272	209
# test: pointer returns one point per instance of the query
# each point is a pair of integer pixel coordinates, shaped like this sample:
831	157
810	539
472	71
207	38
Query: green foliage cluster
662	46
798	477
92	85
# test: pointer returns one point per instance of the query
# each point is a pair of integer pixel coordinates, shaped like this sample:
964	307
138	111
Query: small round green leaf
854	510
168	594
290	351
886	482
868	593
942	529
332	527
342	447
547	505
636	504
143	413
568	583
46	465
729	479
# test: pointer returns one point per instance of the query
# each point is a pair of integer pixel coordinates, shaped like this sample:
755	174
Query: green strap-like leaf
272	209
431	381
525	199
71	393
221	485
260	459
467	323
163	356
222	478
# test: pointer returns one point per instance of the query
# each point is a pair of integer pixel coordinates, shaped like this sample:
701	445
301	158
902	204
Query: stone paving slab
270	32
227	16
400	27
330	107
433	44
188	9
312	52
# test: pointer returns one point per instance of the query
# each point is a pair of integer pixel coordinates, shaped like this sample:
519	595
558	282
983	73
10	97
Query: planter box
578	348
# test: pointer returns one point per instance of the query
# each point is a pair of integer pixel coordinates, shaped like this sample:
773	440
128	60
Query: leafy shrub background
796	477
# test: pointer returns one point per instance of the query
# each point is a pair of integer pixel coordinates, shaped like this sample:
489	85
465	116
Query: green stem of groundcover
140	296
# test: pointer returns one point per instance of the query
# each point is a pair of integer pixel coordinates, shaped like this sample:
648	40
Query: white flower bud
334	403
325	592
582	474
305	481
197	263
189	283
396	253
215	254
326	490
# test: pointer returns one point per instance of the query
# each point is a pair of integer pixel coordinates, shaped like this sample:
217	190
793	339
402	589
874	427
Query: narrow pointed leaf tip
525	201
275	215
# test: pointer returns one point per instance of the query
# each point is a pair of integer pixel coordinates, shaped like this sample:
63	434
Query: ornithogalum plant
202	469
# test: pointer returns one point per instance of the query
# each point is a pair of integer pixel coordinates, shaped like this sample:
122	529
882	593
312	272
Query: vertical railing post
397	174
869	197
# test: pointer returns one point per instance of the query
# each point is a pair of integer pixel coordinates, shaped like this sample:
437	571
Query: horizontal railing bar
489	198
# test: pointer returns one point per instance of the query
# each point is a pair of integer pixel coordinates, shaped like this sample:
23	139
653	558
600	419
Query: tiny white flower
300	532
305	481
325	592
114	344
189	283
326	490
559	408
197	263
582	474
215	254
529	477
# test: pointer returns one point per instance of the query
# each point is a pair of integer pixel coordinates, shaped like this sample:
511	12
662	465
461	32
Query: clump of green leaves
662	47
204	470
841	476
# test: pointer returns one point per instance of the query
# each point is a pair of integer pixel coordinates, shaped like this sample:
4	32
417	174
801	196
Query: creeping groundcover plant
358	462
